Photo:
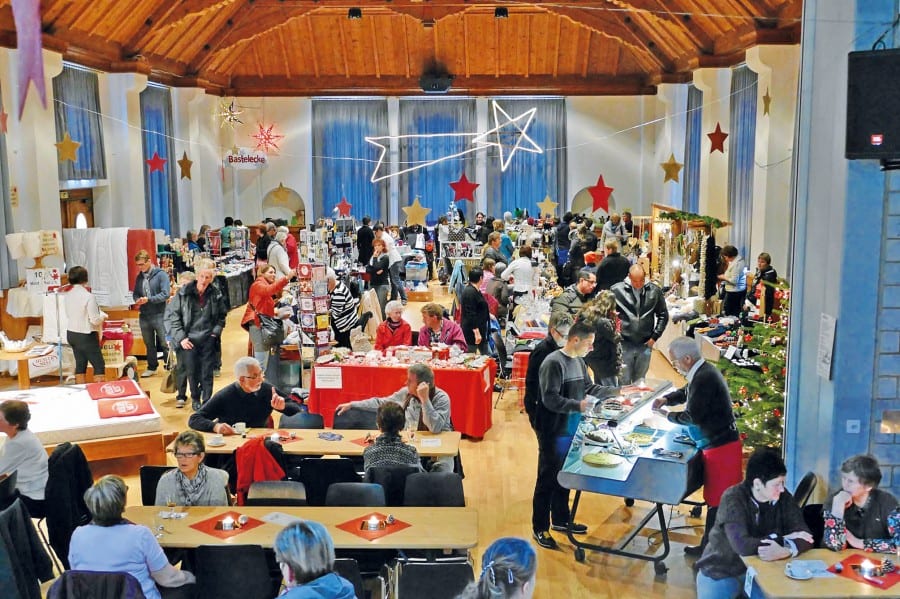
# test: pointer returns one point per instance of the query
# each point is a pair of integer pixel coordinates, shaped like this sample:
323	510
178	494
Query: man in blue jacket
151	292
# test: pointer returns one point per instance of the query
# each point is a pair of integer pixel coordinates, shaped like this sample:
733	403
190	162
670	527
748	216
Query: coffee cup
240	427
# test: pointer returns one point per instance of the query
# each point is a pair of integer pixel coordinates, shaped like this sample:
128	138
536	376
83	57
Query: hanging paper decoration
547	207
3	118
185	165
156	163
600	192
281	193
229	113
266	140
464	189
767	101
416	213
343	207
717	138
67	148
672	168
27	17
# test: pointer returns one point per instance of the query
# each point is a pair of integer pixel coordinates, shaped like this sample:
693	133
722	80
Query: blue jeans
726	588
636	359
397	288
153	331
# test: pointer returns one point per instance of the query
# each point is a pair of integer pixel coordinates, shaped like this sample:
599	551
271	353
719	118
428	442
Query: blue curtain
77	111
529	177
343	161
431	184
741	156
160	192
692	143
9	275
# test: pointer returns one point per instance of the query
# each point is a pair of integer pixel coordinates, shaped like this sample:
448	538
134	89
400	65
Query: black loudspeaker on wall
873	105
435	84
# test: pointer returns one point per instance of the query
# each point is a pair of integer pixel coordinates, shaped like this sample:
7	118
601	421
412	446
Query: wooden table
771	582
431	528
22	360
311	444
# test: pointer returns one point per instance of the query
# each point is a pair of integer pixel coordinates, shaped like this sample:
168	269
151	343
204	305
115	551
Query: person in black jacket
765	274
614	266
364	238
644	315
475	313
709	419
557	331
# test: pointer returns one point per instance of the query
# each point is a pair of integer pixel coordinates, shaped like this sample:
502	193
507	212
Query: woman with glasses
305	554
193	482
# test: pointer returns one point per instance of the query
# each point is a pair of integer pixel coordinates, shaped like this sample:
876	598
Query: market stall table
471	391
22	360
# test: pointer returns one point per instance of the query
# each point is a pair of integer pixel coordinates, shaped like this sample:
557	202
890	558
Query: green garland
679	215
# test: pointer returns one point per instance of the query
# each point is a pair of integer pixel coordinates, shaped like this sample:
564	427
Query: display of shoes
147	374
577	529
545	540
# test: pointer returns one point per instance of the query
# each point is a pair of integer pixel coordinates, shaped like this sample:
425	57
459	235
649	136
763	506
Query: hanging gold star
67	148
547	207
185	164
235	150
767	100
228	112
416	213
281	193
672	168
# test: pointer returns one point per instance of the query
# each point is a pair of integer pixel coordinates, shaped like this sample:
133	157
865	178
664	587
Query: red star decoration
717	138
156	163
600	192
266	140
464	189
344	207
3	117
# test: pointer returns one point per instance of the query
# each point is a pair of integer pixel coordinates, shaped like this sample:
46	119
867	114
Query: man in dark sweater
248	399
557	331
364	238
614	266
565	385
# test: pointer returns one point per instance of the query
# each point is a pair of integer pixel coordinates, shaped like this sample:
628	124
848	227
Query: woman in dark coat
475	313
606	354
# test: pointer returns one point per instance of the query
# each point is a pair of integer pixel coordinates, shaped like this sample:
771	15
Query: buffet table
471	391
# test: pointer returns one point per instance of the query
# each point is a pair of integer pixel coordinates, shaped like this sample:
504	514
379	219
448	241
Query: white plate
801	574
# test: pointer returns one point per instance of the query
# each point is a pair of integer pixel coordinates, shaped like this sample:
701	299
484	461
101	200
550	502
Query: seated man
427	408
248	399
438	329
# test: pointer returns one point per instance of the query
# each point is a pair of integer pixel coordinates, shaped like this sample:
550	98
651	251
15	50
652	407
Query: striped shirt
343	308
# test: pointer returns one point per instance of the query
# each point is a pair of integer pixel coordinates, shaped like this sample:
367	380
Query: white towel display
104	253
16	244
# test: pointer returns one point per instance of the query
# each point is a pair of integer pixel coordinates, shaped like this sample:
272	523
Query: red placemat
212	526
848	571
354	526
364	441
284	437
116	408
114	389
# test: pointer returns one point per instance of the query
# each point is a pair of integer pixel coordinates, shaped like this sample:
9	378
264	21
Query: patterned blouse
877	524
390	450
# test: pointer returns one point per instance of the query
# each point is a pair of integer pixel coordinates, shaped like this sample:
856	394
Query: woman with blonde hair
605	356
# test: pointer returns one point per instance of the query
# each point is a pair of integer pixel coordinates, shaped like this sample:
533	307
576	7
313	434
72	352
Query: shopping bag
169	383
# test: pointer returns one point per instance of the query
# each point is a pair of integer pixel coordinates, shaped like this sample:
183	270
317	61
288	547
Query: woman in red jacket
394	330
261	300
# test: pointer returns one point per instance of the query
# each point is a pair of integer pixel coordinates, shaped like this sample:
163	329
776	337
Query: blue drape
431	184
741	156
692	143
160	192
9	275
343	160
529	177
77	111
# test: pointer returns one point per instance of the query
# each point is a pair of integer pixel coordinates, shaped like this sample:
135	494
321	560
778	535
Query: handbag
169	383
270	329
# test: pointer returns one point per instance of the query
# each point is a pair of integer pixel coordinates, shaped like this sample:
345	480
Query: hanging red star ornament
156	163
717	139
600	192
266	140
344	207
3	119
464	189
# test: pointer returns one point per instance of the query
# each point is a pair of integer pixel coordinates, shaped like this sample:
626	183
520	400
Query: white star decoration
229	113
520	134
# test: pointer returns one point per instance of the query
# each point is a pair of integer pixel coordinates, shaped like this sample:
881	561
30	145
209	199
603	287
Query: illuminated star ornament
416	213
229	113
767	101
672	168
547	207
67	148
600	193
157	163
266	140
281	193
464	189
717	139
505	128
344	207
185	165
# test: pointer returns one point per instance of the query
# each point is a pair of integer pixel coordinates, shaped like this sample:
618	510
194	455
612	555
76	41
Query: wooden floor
500	473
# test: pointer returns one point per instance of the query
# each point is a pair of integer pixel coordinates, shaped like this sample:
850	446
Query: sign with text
246	159
40	280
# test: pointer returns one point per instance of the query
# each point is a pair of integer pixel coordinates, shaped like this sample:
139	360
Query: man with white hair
344	309
290	246
277	256
248	399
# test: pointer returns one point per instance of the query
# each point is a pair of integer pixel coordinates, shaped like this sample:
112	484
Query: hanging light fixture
354	13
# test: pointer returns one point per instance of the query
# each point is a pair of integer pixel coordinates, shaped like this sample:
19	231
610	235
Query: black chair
234	572
82	584
355	494
149	476
805	488
814	518
8	493
349	568
317	474
356	420
504	366
68	477
434	489
302	420
434	580
393	479
276	492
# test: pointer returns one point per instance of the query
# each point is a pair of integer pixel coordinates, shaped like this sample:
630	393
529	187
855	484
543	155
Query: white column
670	132
716	87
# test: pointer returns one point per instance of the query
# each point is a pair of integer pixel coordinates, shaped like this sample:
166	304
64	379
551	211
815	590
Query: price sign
40	280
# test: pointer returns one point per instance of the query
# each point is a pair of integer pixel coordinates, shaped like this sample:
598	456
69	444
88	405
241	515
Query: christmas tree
757	383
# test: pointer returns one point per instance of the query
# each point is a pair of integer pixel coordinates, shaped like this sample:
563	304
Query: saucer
214	444
800	573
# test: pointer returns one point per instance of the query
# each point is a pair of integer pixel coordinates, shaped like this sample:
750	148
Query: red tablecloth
471	392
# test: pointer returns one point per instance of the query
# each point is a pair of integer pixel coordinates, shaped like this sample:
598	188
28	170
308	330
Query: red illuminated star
464	189
717	139
344	207
156	163
266	140
600	192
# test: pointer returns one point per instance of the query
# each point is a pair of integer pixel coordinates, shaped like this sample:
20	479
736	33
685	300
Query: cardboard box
113	351
420	296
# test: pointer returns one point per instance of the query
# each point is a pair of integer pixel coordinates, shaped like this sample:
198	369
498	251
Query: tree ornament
748	338
743	390
784	371
757	397
777	413
765	369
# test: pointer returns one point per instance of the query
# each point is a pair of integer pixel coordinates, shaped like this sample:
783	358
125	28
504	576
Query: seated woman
755	517
508	571
438	329
193	482
861	515
305	553
394	330
111	544
389	449
24	454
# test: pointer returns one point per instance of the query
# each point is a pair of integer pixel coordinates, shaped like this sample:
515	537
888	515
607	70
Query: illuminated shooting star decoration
229	113
477	141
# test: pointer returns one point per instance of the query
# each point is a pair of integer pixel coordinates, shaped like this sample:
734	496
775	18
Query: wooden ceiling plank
375	49
527	54
312	45
465	22
406	49
254	49
587	52
556	45
251	25
147	31
190	8
282	45
344	50
497	46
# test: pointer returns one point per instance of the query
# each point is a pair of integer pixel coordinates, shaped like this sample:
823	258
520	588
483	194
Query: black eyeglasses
186	454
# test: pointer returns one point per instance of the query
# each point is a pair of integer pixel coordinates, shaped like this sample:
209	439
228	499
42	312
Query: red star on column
600	192
464	189
717	139
344	207
156	163
3	118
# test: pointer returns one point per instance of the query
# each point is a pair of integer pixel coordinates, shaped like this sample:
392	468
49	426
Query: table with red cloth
471	392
